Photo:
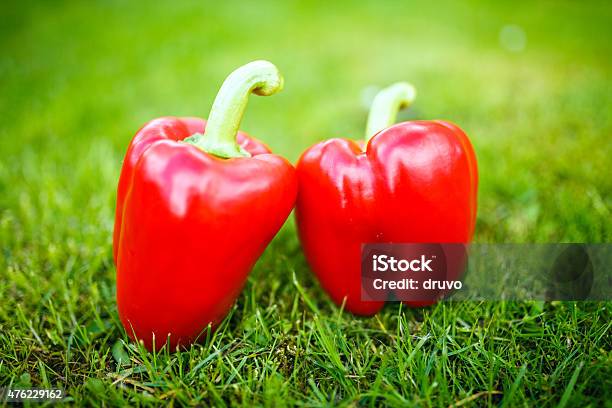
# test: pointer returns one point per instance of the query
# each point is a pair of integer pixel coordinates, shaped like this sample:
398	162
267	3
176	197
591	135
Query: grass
78	79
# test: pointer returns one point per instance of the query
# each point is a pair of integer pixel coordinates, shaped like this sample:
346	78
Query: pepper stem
386	105
219	138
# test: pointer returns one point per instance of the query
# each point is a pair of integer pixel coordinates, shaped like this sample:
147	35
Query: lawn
77	79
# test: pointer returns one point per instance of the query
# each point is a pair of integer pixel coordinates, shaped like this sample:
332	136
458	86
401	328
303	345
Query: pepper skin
190	226
416	182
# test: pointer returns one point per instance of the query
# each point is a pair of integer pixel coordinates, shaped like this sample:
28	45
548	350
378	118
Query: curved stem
219	138
386	105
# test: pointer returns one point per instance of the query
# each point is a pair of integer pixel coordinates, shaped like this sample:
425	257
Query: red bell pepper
195	210
414	182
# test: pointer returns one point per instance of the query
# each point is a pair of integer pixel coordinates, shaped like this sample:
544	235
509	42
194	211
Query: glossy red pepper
415	182
195	210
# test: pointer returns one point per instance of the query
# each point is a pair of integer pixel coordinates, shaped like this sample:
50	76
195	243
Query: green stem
219	138
386	105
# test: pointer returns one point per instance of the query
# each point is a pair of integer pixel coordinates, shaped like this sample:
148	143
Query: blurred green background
528	82
79	79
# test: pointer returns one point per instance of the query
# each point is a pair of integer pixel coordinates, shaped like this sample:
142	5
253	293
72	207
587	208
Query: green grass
78	79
